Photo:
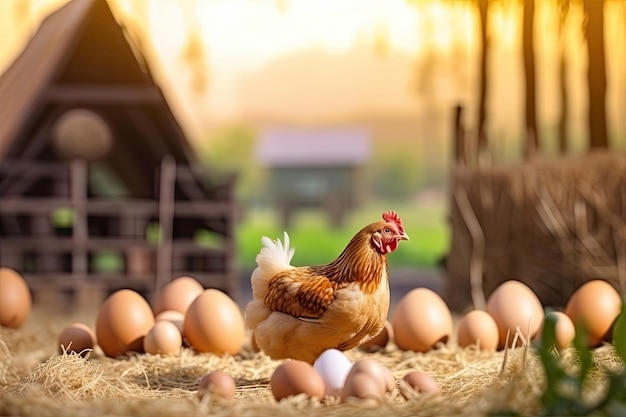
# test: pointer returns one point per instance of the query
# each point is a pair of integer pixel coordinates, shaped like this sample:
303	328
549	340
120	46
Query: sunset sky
240	39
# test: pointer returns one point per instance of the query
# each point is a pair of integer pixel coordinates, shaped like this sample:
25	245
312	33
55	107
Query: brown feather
308	291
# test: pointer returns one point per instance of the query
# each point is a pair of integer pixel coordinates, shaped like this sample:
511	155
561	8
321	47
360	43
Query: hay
37	381
552	224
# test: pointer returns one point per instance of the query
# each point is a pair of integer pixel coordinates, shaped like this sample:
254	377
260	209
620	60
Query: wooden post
79	230
42	227
166	218
230	242
460	152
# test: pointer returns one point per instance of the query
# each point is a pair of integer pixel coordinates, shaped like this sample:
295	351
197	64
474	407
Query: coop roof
23	82
342	146
80	56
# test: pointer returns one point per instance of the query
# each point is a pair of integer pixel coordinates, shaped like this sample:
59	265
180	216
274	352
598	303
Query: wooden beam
18	180
111	281
103	94
66	244
202	209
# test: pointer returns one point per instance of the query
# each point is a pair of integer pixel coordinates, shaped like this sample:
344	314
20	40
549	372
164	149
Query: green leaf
581	344
619	334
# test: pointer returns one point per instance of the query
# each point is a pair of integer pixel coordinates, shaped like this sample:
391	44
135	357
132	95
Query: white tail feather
274	257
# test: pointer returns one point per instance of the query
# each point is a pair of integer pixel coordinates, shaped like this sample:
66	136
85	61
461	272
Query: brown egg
296	377
564	331
478	328
15	299
379	372
363	386
379	341
421	320
172	316
217	383
422	382
177	295
513	304
77	338
214	324
163	338
595	305
124	319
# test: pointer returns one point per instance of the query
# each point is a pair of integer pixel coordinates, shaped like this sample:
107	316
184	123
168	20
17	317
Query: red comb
392	216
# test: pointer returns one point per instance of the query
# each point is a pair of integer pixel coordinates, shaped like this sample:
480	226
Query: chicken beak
403	236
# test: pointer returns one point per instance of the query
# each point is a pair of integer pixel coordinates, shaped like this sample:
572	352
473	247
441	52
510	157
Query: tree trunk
483	6
564	114
596	74
532	137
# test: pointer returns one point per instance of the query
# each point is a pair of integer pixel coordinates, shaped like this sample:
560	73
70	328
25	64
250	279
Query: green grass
317	242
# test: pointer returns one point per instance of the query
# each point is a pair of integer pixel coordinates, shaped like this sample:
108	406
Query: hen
298	312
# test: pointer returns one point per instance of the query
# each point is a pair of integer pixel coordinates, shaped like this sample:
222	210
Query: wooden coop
99	187
320	168
552	223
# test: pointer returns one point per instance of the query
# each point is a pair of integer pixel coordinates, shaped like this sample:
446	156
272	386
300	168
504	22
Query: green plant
564	392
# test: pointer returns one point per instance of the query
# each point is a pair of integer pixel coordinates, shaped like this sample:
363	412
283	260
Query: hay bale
552	224
36	381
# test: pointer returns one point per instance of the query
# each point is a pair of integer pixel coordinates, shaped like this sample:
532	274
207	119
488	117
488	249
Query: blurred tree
381	42
21	10
194	52
195	57
531	143
483	8
596	73
232	150
564	114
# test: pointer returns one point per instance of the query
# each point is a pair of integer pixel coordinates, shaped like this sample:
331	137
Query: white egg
334	367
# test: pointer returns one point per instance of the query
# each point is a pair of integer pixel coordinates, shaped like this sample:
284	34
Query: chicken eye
387	230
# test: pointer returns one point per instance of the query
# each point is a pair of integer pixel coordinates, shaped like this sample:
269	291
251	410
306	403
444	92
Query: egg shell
379	341
379	372
214	324
564	331
294	378
513	304
333	366
123	321
177	295
477	327
15	298
217	383
172	316
163	338
421	320
422	382
363	386
595	305
77	338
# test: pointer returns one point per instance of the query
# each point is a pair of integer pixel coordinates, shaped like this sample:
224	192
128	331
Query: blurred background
331	112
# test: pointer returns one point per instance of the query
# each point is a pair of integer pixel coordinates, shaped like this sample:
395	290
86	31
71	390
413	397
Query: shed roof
80	45
80	56
281	147
25	79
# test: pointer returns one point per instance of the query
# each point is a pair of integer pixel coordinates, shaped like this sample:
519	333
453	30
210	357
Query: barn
99	185
320	167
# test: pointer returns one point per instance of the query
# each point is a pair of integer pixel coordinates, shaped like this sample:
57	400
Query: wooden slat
144	282
200	209
103	94
65	244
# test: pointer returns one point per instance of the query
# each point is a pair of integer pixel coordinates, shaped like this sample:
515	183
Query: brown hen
298	312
